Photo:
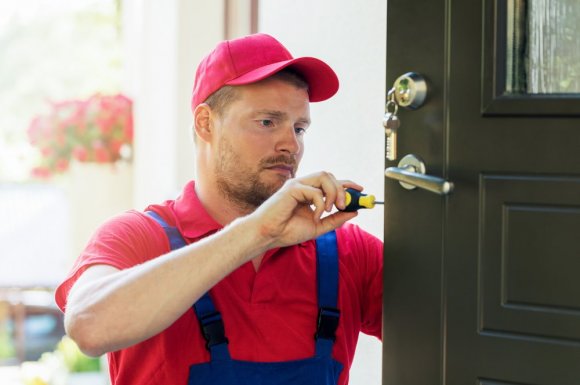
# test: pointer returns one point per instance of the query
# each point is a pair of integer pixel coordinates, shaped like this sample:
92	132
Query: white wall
346	137
164	41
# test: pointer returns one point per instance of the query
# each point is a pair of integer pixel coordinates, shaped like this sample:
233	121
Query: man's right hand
294	214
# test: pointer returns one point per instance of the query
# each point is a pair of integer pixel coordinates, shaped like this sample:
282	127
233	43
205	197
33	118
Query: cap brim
322	81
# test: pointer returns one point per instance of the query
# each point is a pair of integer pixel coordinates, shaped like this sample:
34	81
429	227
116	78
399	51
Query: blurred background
95	119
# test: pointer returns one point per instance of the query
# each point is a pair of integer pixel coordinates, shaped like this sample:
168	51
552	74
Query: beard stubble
240	184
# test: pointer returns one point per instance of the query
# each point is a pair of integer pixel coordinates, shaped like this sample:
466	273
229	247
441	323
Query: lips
282	168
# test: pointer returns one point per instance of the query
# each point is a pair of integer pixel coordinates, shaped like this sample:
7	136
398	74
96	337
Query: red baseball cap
255	57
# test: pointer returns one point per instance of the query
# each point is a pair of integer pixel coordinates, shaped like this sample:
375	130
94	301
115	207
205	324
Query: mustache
287	160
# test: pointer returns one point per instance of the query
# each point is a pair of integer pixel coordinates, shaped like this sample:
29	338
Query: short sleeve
366	252
123	241
373	300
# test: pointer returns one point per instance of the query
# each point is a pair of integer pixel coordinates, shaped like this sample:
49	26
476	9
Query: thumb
334	221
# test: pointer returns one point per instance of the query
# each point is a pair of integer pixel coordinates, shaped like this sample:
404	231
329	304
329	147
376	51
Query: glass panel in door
543	47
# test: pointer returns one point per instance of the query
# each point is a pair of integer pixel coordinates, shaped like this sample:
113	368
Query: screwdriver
356	200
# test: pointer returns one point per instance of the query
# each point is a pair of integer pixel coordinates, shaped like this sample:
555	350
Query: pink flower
128	128
105	125
47	152
80	153
41	172
61	165
91	130
101	153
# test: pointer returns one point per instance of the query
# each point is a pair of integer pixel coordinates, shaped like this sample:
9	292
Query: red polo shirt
269	315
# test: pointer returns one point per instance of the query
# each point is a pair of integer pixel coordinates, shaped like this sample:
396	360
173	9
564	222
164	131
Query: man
244	231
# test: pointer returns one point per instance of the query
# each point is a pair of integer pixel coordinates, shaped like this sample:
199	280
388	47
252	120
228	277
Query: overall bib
321	369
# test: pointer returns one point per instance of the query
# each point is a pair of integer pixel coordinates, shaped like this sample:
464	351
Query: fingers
313	196
333	190
350	184
335	220
296	211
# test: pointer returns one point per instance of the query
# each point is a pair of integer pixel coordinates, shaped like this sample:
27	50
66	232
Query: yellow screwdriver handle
367	201
356	200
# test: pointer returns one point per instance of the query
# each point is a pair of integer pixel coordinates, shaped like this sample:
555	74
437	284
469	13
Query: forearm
129	306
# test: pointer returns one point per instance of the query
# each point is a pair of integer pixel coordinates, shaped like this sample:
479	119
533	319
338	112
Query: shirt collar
193	220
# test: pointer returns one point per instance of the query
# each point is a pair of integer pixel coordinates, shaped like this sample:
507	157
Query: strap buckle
213	330
328	318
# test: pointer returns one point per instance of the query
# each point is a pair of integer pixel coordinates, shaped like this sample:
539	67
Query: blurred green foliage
6	346
74	359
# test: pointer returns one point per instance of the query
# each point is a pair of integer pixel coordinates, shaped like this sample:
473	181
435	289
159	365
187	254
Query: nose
289	141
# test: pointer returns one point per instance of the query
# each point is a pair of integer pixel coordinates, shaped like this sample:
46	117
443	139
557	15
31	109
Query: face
259	141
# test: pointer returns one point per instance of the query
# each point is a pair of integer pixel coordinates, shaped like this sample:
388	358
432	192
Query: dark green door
482	286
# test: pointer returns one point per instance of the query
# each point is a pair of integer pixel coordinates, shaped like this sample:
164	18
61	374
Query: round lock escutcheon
410	90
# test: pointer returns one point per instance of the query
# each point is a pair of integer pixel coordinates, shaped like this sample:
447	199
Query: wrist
255	238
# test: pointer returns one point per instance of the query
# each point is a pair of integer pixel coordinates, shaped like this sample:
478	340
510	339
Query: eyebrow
280	115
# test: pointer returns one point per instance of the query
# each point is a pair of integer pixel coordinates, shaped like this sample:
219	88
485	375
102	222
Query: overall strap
327	274
176	241
210	319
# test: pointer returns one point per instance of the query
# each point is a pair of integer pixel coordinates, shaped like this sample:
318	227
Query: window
51	50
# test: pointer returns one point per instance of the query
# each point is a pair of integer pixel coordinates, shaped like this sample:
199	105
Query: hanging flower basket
99	130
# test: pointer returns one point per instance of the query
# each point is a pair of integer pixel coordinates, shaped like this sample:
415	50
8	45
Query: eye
299	130
267	122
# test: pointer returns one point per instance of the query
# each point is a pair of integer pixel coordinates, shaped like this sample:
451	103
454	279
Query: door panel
480	285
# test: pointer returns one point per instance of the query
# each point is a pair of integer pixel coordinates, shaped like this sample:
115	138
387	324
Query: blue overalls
321	369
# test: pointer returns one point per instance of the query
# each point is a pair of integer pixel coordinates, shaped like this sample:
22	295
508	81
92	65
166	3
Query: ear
202	122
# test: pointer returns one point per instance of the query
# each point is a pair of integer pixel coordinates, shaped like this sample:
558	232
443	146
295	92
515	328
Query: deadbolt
410	90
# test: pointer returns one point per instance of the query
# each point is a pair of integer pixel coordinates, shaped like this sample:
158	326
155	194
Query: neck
221	209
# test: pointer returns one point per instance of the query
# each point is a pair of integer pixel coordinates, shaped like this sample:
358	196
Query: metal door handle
411	174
